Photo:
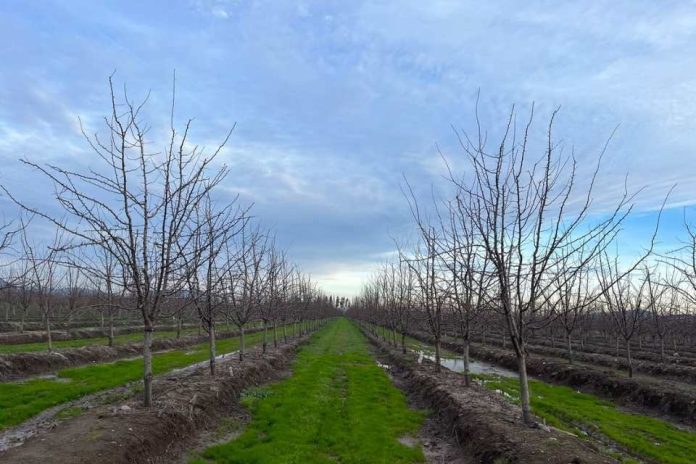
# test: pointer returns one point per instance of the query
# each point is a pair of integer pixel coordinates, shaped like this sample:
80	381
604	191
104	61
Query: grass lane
22	400
338	406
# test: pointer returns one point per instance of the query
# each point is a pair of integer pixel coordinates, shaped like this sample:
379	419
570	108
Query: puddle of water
193	367
475	367
408	441
383	366
55	378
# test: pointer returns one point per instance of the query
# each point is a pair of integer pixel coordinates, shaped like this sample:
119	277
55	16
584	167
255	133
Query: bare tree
73	283
467	269
574	296
625	299
269	310
664	299
206	266
246	280
45	276
136	206
527	216
430	293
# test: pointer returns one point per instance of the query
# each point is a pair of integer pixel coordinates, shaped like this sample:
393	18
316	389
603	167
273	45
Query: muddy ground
439	445
186	404
487	427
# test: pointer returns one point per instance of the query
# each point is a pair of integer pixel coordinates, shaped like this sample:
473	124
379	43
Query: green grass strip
581	413
22	400
338	406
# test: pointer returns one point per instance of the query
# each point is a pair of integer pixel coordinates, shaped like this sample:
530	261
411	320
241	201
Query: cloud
336	100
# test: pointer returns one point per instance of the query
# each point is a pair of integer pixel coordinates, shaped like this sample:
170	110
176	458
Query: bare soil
438	444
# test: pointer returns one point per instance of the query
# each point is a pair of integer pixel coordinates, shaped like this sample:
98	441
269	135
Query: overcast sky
335	101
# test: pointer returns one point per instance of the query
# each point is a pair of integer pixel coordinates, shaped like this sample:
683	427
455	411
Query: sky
336	102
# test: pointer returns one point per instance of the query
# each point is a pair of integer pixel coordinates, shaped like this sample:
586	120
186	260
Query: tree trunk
275	334
213	347
111	327
241	342
570	348
403	342
285	332
662	349
524	388
49	338
70	324
147	366
21	321
628	358
265	336
437	353
465	356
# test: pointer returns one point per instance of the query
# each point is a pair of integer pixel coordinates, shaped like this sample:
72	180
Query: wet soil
438	444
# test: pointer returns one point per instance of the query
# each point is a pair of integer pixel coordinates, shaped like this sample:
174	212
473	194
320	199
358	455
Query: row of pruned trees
143	227
519	246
